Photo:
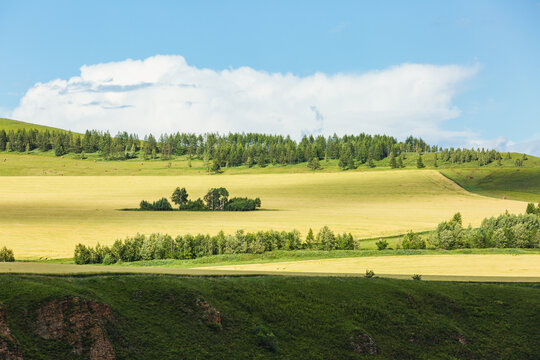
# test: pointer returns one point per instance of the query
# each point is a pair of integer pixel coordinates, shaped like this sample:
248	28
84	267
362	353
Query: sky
457	73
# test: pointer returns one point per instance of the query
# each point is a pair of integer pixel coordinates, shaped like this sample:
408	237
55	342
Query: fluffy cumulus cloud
502	143
165	94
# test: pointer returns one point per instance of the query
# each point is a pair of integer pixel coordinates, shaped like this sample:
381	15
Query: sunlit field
458	265
47	216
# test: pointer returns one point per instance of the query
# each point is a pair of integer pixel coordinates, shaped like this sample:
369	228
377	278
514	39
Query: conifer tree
419	162
392	160
310	239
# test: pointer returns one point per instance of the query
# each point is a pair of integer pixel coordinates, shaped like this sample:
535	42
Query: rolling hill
262	317
8	124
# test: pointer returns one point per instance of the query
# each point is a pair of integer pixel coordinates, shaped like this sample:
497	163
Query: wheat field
493	265
47	216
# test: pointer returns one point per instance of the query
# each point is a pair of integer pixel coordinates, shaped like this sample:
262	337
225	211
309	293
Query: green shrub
369	274
417	277
381	244
145	205
162	205
265	337
82	255
108	259
242	204
413	241
6	255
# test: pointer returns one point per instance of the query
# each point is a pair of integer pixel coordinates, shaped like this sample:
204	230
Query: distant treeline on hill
237	149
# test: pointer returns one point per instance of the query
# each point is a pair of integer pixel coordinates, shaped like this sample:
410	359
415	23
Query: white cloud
530	146
165	94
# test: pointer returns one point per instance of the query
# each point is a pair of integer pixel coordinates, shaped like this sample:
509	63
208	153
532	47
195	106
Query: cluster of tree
161	246
237	149
504	231
217	199
122	146
6	255
531	209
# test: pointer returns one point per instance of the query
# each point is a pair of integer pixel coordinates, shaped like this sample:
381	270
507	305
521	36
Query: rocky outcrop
9	350
209	313
363	344
81	323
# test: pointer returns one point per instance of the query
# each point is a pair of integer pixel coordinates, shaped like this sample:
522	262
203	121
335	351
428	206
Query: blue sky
495	43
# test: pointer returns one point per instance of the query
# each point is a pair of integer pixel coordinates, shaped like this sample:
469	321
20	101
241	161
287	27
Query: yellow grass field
493	265
46	216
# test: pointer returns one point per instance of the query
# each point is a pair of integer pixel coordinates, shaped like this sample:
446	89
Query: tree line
504	231
236	149
216	199
162	246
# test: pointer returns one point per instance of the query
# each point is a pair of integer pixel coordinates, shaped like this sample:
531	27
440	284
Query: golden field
46	216
492	265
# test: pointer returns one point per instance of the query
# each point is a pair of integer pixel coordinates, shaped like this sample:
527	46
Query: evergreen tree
370	162
392	160
216	168
419	162
400	162
249	161
310	239
314	164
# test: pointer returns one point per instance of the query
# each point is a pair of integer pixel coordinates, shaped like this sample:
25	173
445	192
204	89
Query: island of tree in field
217	199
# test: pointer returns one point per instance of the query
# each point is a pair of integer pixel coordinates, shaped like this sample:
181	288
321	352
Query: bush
108	259
145	205
417	277
381	244
413	241
369	274
6	255
242	204
190	205
265	337
160	205
83	255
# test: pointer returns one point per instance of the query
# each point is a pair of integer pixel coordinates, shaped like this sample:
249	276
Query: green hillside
164	317
8	124
517	183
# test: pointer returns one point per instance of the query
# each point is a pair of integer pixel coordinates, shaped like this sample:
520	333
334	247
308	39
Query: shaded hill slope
161	317
516	184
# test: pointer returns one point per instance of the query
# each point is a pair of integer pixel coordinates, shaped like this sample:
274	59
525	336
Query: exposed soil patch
81	323
9	350
210	313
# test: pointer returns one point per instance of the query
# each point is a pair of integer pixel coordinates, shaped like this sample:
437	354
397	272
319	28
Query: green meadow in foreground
164	317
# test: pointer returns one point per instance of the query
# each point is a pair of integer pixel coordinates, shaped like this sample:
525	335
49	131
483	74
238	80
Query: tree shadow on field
205	210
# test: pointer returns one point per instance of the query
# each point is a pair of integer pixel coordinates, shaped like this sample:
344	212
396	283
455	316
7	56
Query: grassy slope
518	184
311	318
38	163
8	124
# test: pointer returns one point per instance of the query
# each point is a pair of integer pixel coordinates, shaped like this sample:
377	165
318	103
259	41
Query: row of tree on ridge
236	149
